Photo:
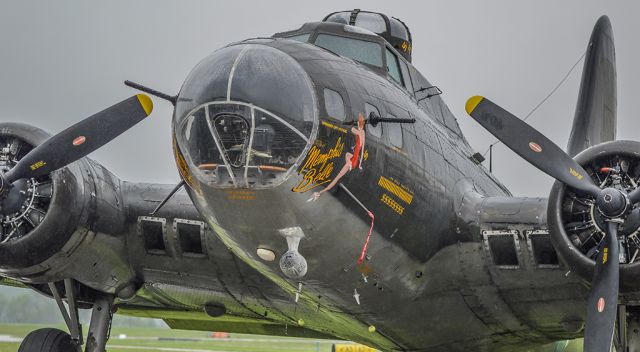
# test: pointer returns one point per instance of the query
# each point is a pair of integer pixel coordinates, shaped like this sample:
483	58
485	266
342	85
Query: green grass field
159	339
164	339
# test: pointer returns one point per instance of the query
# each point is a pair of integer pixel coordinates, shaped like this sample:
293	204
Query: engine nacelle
48	214
69	224
576	226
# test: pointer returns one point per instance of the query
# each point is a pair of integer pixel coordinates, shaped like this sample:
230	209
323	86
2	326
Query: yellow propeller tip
146	103
472	103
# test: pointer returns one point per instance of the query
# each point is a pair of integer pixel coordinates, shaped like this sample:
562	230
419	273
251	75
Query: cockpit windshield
301	37
369	53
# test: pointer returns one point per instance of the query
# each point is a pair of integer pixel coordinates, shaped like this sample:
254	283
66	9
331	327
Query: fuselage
264	127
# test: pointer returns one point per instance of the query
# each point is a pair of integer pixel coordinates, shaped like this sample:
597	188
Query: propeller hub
612	203
14	197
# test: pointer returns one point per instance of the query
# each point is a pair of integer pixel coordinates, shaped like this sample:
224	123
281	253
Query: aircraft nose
245	116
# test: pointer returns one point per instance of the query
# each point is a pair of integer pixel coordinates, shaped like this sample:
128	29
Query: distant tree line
23	306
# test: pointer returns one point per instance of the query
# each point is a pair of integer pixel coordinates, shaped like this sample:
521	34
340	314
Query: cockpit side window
392	66
356	49
420	88
406	77
301	37
449	120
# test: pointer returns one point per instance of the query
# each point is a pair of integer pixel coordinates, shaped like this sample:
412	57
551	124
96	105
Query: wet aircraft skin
332	196
426	274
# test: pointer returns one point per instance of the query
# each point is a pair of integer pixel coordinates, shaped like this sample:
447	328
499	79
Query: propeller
612	203
602	304
78	140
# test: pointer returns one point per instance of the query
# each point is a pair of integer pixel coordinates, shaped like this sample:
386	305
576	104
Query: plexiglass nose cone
245	116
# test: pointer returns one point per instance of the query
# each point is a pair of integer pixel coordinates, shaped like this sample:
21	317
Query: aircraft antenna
544	100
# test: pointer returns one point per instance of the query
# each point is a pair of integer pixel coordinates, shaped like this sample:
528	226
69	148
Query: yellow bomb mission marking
395	189
575	174
605	255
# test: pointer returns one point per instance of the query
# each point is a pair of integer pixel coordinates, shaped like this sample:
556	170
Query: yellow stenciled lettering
605	255
575	173
38	165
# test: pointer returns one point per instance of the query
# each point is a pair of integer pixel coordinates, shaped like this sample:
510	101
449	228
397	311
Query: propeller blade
81	139
602	305
634	196
530	144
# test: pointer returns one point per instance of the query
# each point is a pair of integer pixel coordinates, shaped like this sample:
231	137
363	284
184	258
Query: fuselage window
359	50
377	130
334	104
394	130
301	37
392	66
406	77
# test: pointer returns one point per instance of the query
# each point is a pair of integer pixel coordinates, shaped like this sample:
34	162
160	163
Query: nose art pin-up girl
352	160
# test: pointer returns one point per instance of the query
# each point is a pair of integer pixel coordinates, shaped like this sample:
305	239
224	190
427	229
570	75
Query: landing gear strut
627	333
100	326
53	340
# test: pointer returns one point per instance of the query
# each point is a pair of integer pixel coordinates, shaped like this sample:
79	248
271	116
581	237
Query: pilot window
392	66
301	37
377	130
394	130
406	78
359	50
334	104
449	120
420	87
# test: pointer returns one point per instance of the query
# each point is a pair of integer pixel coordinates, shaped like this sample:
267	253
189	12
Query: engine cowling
40	223
61	224
575	224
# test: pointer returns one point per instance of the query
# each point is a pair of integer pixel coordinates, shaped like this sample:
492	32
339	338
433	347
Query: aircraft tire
47	340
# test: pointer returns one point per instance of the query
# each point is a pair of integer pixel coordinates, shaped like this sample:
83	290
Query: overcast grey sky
63	61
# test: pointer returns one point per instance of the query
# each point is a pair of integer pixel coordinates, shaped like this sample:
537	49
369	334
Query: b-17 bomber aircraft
328	192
